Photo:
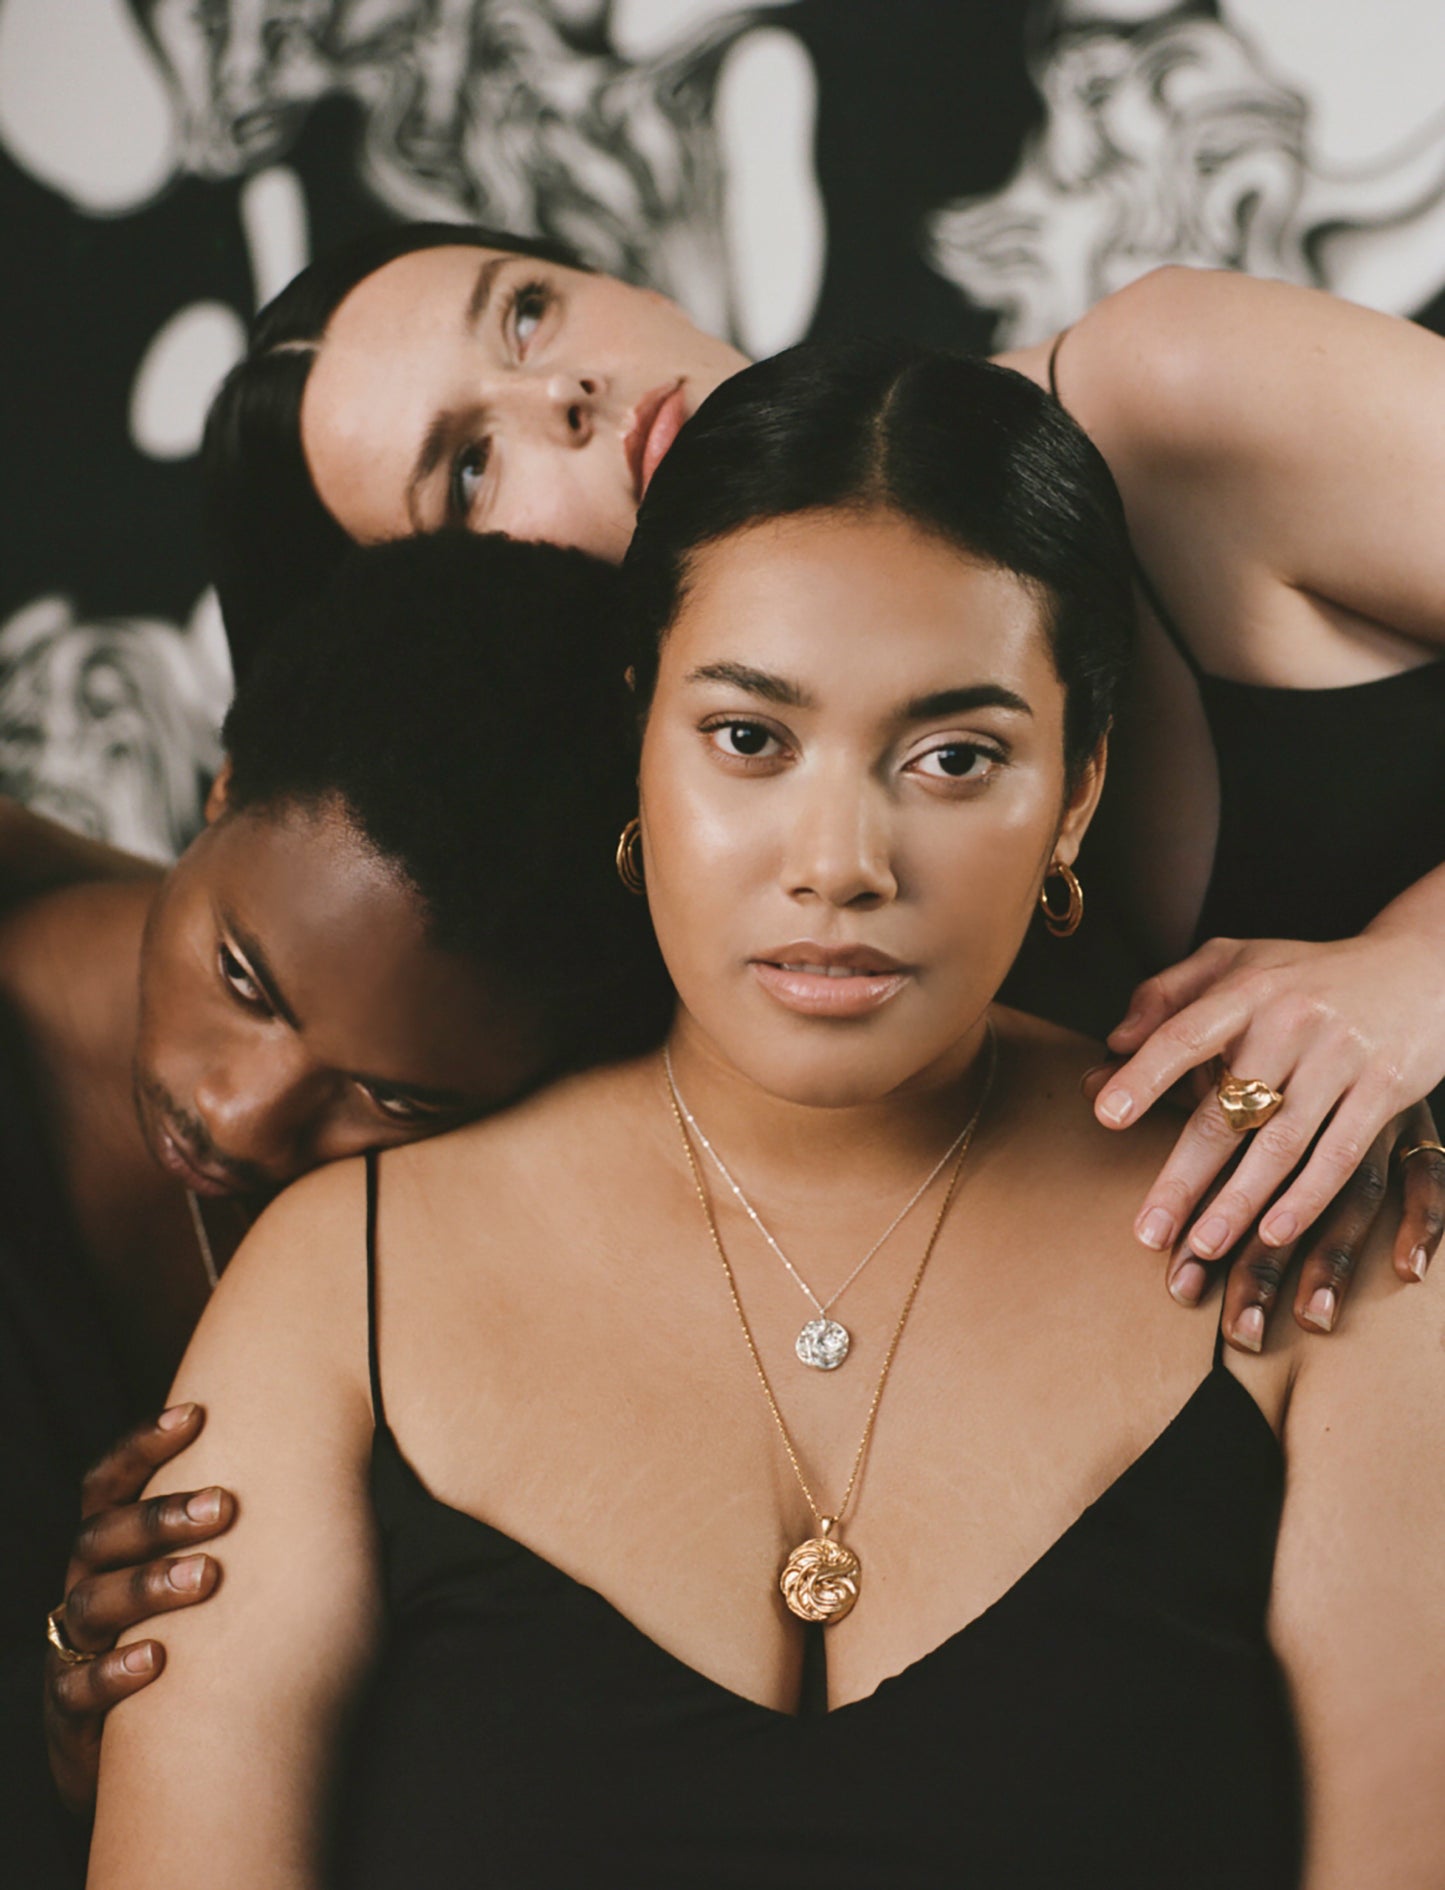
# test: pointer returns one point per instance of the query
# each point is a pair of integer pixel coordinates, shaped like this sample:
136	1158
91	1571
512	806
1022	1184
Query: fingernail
1127	1021
1279	1229
175	1417
1419	1260
139	1659
1115	1106
1321	1309
1249	1329
1210	1236
1187	1282
1094	1069
205	1506
188	1573
1156	1230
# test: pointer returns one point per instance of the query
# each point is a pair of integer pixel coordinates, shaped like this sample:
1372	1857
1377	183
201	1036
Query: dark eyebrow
961	701
266	978
439	434
482	289
757	682
433	448
261	971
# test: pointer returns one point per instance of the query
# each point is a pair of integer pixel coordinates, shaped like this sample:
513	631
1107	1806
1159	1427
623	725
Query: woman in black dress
532	1474
1279	766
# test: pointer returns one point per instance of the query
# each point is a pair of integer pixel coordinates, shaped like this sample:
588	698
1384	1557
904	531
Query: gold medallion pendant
821	1578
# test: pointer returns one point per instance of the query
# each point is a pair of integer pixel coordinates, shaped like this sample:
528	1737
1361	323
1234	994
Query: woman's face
293	1010
852	785
474	387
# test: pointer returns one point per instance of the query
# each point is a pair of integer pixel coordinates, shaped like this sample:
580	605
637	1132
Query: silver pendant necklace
824	1342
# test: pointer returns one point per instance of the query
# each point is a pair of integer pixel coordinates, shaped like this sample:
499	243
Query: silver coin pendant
823	1344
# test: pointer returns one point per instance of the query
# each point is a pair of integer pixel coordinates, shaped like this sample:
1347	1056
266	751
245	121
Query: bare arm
218	1774
37	855
1265	436
1359	1603
1279	453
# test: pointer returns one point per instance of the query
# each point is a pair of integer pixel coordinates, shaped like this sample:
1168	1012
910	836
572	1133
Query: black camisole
1331	801
1116	1718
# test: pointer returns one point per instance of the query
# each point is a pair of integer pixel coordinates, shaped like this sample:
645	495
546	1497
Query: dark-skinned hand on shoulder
132	1560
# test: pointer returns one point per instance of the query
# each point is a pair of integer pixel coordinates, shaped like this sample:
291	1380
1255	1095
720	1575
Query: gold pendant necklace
820	1580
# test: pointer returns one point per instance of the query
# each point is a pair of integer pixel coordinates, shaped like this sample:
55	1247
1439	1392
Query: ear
1083	799
629	676
218	800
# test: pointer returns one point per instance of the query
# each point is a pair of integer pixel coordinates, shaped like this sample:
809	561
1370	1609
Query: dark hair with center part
461	700
958	447
270	540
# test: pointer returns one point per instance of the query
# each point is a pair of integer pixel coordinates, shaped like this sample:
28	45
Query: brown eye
746	738
238	979
959	761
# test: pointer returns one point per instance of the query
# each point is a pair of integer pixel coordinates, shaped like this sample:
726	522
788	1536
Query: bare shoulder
1184	362
580	1121
1041	1069
1381	1375
290	1312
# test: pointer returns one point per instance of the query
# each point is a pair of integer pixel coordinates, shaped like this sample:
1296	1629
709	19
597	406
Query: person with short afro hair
404	912
486	747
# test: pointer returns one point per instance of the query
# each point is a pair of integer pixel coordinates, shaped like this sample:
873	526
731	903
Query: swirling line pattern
820	1580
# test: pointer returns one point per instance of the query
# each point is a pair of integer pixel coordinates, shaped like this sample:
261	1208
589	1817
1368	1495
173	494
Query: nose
564	405
839	848
264	1107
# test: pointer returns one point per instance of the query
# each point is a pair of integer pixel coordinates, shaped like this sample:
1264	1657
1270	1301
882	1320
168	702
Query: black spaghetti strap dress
1116	1719
1331	801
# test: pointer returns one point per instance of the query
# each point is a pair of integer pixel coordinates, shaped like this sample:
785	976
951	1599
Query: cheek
182	1012
567	496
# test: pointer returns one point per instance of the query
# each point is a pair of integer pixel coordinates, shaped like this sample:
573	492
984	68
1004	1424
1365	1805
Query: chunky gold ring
1421	1148
1247	1103
58	1638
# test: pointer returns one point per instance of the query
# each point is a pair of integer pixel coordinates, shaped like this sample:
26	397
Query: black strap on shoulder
1166	622
378	1413
1141	576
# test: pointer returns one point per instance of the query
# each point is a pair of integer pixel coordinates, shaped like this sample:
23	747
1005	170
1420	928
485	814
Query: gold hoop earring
1062	924
629	857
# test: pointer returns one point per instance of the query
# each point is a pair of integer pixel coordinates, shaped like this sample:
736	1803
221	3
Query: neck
859	1146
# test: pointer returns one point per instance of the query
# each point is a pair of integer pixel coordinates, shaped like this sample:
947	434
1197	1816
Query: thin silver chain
821	1306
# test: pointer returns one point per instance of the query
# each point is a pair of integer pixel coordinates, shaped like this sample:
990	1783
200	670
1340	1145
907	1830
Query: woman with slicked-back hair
731	1464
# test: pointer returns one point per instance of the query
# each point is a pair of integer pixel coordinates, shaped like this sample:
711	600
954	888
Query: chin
837	1075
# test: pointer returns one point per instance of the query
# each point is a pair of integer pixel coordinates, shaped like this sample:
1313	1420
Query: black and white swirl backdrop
970	171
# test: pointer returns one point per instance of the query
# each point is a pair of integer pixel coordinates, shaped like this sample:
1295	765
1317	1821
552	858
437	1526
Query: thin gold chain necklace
203	1241
820	1580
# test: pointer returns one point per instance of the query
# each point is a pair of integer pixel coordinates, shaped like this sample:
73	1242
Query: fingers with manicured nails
135	1532
1340	1152
1167	992
1206	1147
74	1693
101	1607
1194	1035
1250	1292
1095	1077
1422	1217
1331	1250
76	1702
127	1467
1272	1163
